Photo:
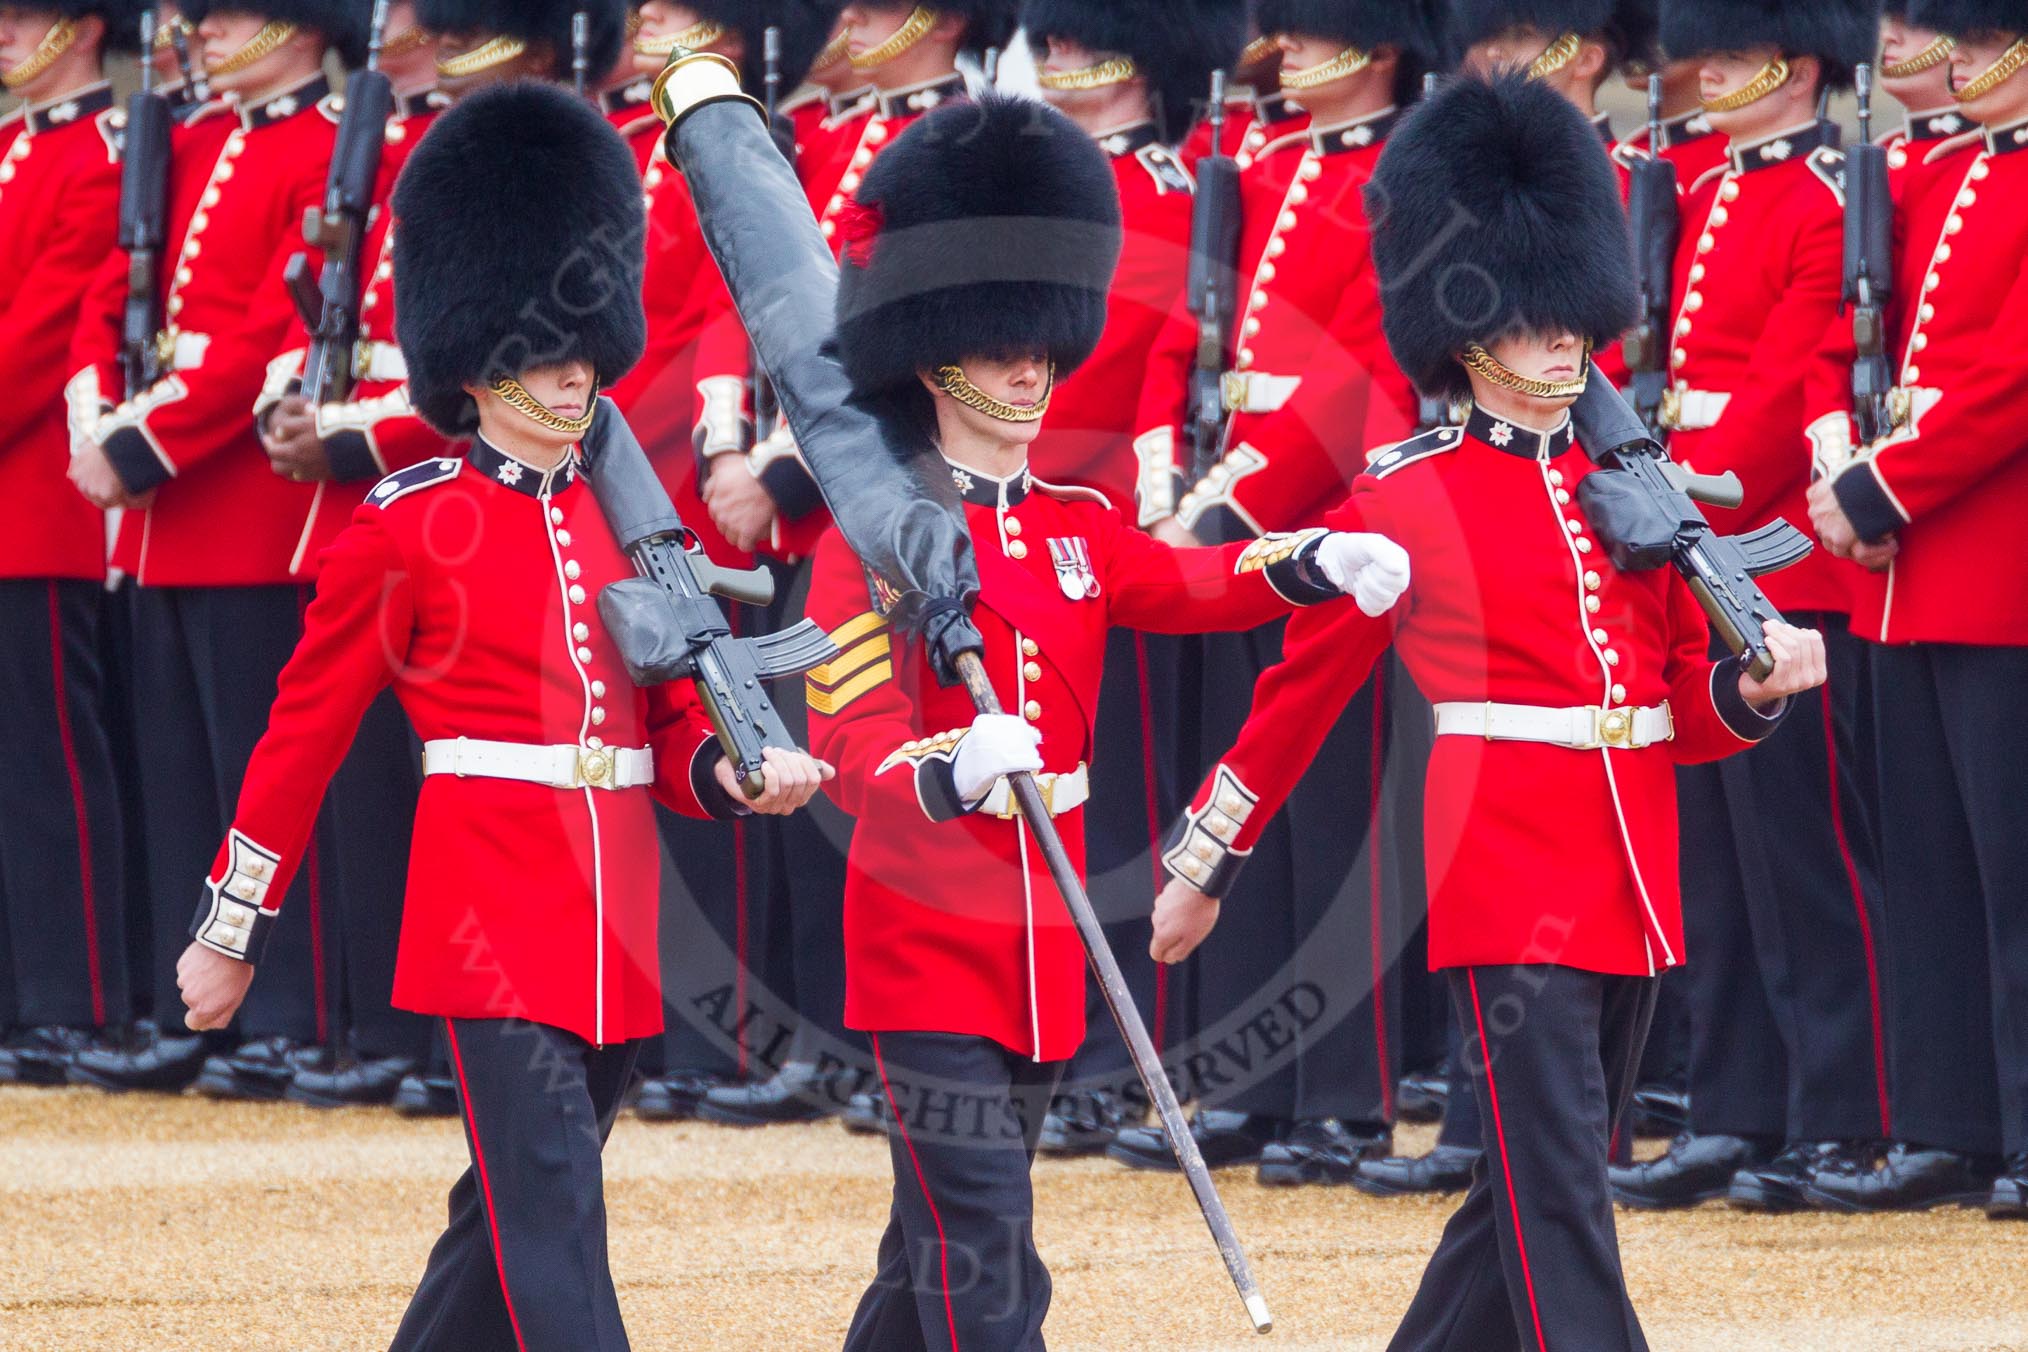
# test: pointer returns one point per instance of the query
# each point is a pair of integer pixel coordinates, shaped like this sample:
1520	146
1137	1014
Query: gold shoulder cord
521	401
54	44
913	30
1118	70
1486	364
1772	76
1348	62
258	47
697	37
1556	56
954	383
488	54
1928	58
2010	64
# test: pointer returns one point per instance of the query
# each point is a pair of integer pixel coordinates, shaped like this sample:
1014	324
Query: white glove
1371	569
998	744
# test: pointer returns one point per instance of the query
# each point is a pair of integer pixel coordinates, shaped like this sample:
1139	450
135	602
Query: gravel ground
150	1224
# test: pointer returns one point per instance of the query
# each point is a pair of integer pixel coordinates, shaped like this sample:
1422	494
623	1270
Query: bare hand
739	504
94	476
1799	666
289	434
1183	919
793	778
1175	534
212	984
1833	527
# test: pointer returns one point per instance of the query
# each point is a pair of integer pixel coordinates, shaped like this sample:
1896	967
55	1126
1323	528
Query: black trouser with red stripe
1297	1010
1953	778
206	661
958	1267
1531	1257
63	951
522	1265
1780	910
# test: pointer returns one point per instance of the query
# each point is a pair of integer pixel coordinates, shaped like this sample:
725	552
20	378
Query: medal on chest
1072	556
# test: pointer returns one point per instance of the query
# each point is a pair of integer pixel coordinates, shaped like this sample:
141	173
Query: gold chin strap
2011	63
913	30
54	44
516	396
484	57
1929	58
1476	358
258	48
954	383
1348	62
409	39
1118	70
1259	52
836	50
1772	76
166	33
696	38
1556	56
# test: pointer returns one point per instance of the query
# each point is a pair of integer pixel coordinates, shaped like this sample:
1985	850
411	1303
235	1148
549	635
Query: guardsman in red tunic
1255	110
1931	506
1309	362
1688	139
216	540
1787	1063
1133	76
961	959
1566	692
1915	67
468	585
62	921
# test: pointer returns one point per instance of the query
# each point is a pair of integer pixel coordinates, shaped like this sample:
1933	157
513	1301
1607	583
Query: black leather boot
1322	1150
362	1082
146	1059
1910	1178
675	1097
1083	1123
797	1093
426	1095
1694	1169
1223	1138
1447	1168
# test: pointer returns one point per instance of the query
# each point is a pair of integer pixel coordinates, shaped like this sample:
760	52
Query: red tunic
223	517
1535	853
1761	357
1952	483
471	586
59	214
1318	378
1092	419
1688	142
951	921
375	430
1251	121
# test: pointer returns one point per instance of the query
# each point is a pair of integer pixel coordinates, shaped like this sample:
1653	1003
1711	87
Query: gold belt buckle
595	767
1232	391
1900	405
1045	784
1671	412
165	349
362	359
1616	728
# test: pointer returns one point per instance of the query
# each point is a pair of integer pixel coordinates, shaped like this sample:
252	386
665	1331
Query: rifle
580	51
1869	270
1644	507
144	213
193	71
1652	210
666	623
1214	290
761	390
337	229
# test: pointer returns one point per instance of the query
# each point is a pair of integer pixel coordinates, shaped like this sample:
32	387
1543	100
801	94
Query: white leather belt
1693	410
1586	728
1060	794
1256	391
559	767
375	360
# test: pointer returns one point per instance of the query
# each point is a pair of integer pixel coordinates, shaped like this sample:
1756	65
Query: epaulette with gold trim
864	662
1387	460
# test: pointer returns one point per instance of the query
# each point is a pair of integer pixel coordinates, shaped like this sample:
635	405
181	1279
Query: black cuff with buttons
135	461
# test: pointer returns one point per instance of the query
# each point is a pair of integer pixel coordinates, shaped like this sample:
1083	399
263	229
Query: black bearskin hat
805	25
122	18
1401	24
1495	212
1176	44
986	228
991	22
1470	22
1637	26
1839	33
519	244
1960	17
344	23
546	21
